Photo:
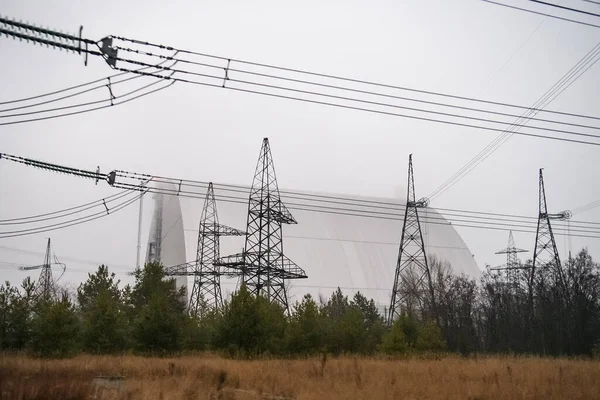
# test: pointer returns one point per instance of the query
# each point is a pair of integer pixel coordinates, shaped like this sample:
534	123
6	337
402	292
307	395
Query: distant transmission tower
262	264
513	266
545	255
412	281
46	286
206	290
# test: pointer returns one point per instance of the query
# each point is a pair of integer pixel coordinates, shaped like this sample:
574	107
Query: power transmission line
66	212
346	79
586	207
367	103
558	88
137	181
94	108
565	8
76	260
373	105
541	13
121	179
71	222
109	85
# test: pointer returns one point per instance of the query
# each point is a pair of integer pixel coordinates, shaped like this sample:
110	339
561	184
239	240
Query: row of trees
554	311
149	318
553	314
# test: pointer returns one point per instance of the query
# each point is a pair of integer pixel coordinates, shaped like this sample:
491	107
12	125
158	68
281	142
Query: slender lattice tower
46	285
262	264
545	255
513	266
207	284
413	286
206	289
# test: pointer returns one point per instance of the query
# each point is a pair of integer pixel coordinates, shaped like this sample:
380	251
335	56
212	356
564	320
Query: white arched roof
354	253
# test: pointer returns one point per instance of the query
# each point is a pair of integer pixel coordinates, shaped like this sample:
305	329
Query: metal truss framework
206	290
513	267
262	265
545	255
412	281
46	285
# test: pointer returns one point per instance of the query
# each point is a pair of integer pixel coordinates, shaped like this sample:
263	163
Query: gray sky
461	47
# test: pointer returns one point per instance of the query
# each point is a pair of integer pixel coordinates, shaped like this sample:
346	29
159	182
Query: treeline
555	314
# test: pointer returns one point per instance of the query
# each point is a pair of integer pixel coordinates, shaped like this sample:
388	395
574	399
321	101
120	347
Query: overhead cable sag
336	91
337	205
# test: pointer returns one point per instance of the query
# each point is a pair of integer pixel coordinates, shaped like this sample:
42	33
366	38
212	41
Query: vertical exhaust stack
166	242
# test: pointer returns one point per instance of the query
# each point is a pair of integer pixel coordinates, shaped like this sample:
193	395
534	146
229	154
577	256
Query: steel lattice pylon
546	254
263	266
513	266
206	289
46	286
412	281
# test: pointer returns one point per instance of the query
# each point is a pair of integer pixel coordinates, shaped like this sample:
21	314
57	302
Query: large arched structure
354	253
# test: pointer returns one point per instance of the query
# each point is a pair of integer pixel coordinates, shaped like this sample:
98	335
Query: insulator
422	203
566	214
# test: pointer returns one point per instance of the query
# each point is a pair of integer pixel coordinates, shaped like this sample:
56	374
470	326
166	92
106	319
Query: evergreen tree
394	341
105	327
251	325
372	323
306	328
157	311
55	328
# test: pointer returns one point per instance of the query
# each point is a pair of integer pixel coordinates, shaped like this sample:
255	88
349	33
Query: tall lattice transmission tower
513	267
206	289
545	255
45	286
263	266
413	286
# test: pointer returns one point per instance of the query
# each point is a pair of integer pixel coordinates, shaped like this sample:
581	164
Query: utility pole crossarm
221	230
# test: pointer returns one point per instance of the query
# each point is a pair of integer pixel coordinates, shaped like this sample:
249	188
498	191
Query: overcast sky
467	48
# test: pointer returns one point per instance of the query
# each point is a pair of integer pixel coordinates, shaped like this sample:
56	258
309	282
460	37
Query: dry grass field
212	377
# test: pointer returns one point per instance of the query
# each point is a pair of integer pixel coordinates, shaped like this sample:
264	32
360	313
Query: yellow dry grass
211	377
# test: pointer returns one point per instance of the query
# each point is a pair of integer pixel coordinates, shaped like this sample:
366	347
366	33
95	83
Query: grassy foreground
212	377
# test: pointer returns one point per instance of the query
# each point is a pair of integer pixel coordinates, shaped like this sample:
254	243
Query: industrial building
336	250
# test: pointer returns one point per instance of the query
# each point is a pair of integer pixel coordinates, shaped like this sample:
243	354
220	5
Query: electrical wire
76	260
354	90
111	83
328	199
95	108
452	216
541	13
266	89
393	113
66	212
565	8
227	79
229	68
340	78
73	222
111	99
586	62
586	207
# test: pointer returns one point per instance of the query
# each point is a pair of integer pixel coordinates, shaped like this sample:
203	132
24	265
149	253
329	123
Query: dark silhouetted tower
46	286
262	264
413	287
